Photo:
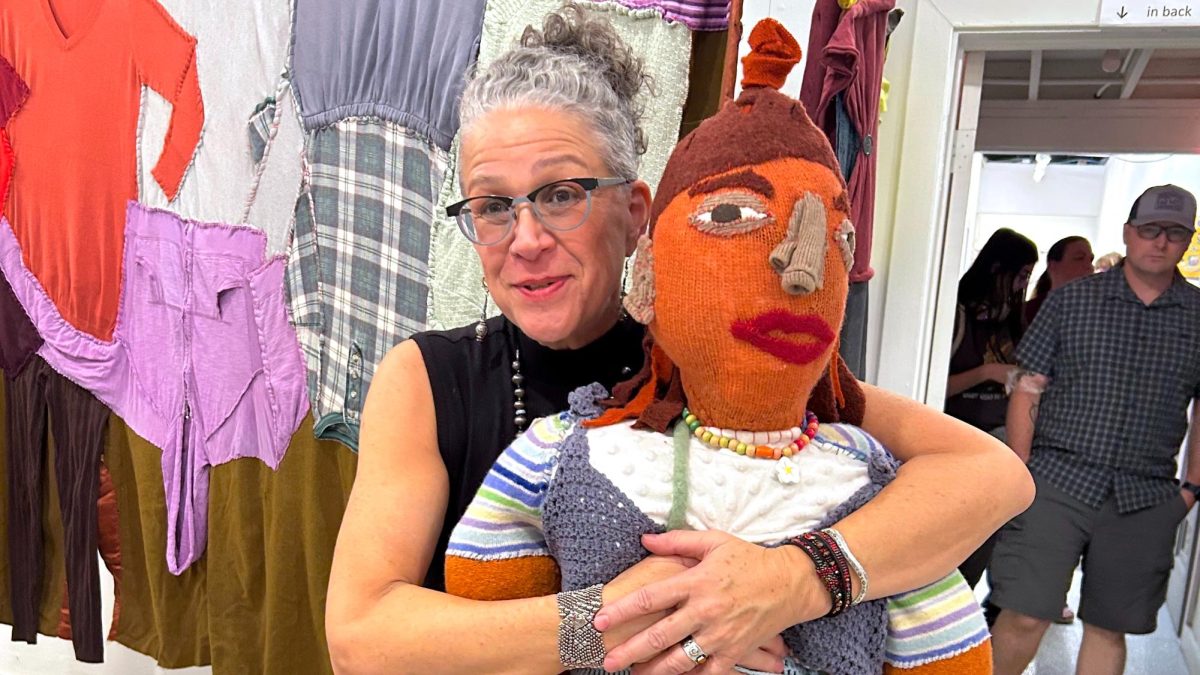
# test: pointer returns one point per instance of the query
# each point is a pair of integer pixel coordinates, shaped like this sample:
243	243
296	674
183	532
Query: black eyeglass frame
589	185
1160	229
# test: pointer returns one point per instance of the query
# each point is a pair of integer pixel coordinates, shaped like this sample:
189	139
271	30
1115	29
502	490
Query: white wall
1064	190
795	15
1065	202
1017	13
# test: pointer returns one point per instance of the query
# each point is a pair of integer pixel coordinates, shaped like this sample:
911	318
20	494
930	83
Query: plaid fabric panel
1122	376
360	258
303	288
259	129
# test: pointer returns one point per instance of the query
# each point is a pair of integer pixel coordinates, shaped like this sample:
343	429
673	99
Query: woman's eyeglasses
562	205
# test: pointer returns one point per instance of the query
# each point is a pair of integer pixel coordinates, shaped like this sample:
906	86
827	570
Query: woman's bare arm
956	486
379	619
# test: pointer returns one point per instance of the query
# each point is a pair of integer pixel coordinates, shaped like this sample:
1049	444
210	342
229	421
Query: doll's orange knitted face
750	280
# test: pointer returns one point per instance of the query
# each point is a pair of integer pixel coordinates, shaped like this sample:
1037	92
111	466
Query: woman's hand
650	570
739	597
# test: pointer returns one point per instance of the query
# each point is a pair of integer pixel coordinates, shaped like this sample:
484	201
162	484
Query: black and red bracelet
845	589
826	568
831	565
843	565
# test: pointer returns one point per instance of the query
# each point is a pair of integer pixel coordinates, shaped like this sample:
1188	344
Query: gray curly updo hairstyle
575	64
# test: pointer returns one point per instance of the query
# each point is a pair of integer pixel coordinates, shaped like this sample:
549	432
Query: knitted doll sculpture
742	282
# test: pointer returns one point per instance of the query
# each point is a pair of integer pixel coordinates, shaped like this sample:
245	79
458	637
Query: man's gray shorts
1127	559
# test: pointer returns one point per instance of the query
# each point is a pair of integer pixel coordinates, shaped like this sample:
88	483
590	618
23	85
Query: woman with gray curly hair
548	161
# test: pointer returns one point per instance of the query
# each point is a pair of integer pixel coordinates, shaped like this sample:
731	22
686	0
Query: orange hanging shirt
77	137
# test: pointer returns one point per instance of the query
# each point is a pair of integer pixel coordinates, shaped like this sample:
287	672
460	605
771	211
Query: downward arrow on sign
1122	13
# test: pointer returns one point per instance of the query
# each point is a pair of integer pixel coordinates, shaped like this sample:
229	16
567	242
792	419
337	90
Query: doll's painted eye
730	213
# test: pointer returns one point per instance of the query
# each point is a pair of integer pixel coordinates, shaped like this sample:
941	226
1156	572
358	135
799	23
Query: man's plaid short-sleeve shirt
1122	374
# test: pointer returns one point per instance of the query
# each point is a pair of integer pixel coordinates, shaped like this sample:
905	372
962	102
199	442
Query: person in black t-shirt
989	323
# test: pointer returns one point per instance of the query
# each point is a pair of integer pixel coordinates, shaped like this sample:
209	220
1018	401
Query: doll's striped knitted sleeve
498	551
937	630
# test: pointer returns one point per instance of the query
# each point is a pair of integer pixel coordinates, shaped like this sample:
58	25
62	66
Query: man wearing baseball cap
1098	412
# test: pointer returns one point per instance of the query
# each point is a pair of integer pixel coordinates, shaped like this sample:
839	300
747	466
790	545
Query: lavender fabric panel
202	363
275	400
100	367
695	14
403	61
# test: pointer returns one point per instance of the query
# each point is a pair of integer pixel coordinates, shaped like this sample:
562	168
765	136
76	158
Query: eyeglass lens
1175	234
560	206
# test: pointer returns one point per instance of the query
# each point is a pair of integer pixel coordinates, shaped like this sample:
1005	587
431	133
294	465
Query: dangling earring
624	282
481	329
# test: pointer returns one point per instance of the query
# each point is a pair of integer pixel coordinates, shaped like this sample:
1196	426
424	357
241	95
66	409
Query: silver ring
693	651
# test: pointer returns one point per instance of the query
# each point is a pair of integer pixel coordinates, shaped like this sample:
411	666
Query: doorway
1053	143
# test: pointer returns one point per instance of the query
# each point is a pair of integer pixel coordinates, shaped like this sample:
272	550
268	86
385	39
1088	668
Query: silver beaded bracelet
580	645
854	565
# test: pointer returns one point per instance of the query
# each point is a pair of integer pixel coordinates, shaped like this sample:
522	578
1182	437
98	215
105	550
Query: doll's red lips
776	333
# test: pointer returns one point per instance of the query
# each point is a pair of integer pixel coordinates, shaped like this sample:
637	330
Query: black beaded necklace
521	413
519	417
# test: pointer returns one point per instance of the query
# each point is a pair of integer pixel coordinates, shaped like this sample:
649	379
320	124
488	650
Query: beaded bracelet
827	571
859	571
845	584
832	568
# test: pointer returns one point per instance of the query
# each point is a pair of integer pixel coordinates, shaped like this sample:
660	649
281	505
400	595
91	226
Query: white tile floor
1155	654
53	656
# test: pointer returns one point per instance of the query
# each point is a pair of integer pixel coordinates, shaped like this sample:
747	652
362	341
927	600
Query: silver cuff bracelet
580	645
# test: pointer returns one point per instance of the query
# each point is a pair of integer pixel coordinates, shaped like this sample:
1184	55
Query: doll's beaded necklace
760	444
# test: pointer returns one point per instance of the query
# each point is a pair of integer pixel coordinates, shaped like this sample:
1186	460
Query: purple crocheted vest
594	531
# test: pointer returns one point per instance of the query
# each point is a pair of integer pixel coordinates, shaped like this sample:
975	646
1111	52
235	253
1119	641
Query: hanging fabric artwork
358	270
200	300
79	162
236	75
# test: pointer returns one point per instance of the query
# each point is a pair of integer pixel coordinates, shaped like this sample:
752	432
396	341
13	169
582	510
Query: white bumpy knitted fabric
241	51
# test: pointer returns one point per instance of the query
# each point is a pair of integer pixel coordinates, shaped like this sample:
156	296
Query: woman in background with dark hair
990	321
1067	260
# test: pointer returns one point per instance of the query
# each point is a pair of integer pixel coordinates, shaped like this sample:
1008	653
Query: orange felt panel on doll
507	579
975	661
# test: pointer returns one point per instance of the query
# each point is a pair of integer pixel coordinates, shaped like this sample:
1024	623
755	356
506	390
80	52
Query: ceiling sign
1150	13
